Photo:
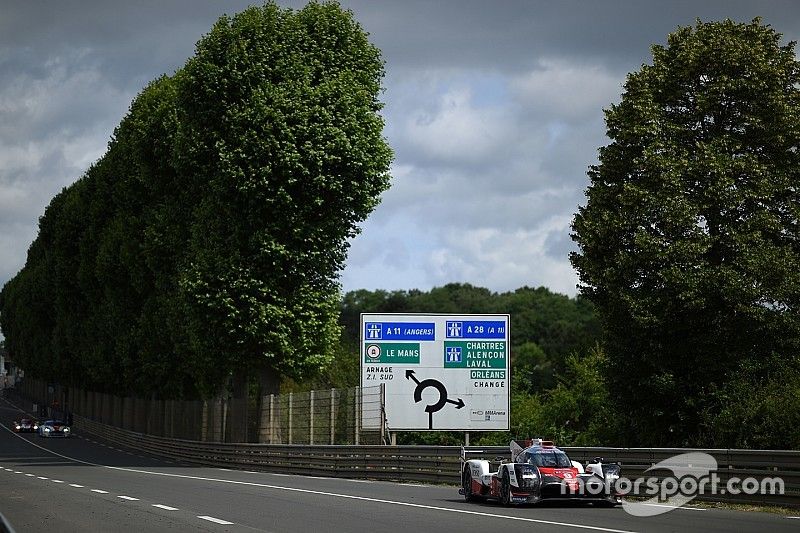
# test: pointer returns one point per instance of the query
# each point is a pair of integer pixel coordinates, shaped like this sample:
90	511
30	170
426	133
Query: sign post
440	372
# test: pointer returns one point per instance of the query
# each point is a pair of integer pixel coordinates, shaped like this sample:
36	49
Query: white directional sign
441	372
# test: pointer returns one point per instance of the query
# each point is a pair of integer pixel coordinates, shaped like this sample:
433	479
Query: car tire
505	489
466	484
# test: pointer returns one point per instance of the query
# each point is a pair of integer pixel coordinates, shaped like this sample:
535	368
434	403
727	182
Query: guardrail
441	464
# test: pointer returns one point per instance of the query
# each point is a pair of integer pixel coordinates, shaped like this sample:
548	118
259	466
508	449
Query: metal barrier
441	464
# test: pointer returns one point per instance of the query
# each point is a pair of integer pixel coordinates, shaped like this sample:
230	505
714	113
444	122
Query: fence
333	416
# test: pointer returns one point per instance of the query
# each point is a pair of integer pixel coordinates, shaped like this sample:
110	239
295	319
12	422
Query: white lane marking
129	498
282	475
56	481
76	485
42	477
376	500
331	494
8	470
100	491
215	520
360	480
793	517
29	475
675	507
16	472
165	507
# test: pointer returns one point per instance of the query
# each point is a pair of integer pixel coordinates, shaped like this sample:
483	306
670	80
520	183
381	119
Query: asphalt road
82	484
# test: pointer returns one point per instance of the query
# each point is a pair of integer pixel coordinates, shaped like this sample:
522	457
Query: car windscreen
550	459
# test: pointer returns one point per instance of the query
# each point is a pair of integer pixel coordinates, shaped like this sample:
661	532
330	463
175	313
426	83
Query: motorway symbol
439	386
374	330
452	354
454	329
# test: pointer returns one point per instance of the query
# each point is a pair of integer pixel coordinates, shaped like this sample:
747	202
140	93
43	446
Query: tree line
204	246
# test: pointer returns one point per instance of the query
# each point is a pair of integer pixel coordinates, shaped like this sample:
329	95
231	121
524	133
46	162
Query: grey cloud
559	245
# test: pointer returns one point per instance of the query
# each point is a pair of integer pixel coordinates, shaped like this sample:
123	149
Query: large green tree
689	243
279	121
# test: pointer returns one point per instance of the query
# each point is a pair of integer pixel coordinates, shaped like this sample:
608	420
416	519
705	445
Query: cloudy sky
493	108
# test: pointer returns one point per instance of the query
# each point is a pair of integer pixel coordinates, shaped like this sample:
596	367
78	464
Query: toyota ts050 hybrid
26	425
536	472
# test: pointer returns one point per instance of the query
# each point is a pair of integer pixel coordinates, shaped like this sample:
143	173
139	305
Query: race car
536	472
26	425
54	428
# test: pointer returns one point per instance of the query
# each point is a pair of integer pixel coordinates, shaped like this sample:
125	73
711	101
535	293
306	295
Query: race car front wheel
466	484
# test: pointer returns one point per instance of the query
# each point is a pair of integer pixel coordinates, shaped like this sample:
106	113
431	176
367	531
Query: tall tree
279	122
689	243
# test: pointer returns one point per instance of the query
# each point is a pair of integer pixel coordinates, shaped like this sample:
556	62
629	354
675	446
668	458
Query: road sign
441	372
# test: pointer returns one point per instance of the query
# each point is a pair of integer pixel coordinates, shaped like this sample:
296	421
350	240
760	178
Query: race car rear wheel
505	489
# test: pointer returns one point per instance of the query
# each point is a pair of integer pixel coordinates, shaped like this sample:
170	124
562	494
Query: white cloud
566	92
457	131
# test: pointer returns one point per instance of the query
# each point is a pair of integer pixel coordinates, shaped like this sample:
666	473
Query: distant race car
26	425
536	472
54	428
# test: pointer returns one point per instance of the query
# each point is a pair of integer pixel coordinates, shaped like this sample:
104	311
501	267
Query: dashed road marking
215	520
165	507
29	475
129	498
76	485
100	491
56	481
42	477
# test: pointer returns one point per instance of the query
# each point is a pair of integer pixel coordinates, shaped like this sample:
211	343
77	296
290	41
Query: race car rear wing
465	452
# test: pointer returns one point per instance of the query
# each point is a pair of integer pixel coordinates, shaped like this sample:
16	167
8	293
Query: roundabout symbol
439	386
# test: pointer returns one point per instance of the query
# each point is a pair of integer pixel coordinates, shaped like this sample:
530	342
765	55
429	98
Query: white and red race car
536	472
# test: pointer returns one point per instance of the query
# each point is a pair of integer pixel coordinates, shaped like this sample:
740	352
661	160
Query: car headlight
66	430
35	427
47	429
